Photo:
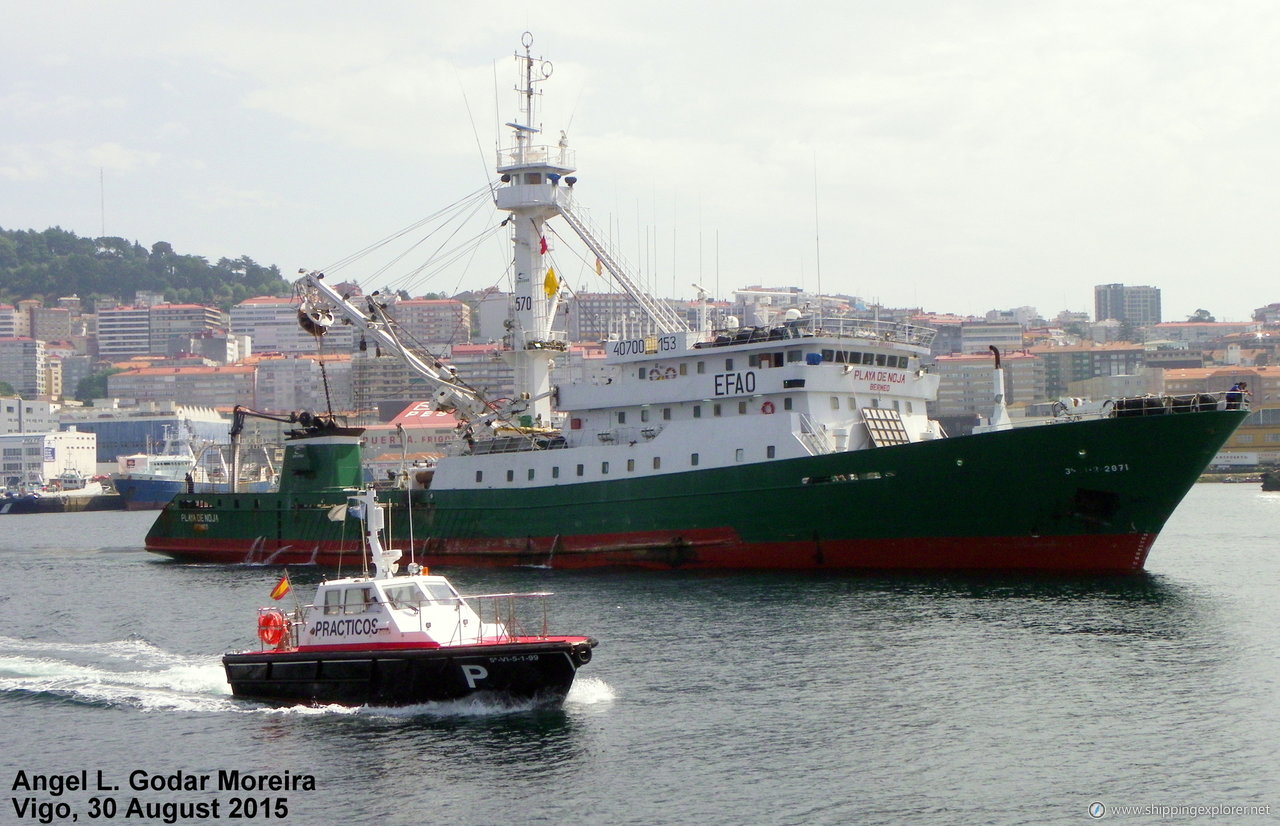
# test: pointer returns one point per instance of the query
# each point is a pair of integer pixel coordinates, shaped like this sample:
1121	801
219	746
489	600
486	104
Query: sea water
725	698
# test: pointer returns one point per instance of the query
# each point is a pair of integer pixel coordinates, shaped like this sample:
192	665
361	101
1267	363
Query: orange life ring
767	408
271	627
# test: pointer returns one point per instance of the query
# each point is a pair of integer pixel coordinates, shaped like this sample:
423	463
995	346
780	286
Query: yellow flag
599	266
550	285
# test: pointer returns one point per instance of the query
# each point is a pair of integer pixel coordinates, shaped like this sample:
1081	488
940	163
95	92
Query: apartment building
123	332
1078	362
272	325
967	383
175	323
434	321
24	366
206	386
1139	306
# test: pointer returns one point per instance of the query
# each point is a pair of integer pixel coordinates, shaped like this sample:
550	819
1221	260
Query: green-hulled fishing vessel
803	444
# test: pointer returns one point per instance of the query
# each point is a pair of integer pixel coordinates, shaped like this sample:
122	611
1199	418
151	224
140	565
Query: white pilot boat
402	639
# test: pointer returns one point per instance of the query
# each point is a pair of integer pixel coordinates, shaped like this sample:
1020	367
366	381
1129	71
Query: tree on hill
52	263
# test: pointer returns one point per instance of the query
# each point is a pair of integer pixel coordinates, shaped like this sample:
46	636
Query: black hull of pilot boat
539	672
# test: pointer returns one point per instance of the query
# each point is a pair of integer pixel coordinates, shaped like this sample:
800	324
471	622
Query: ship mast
531	176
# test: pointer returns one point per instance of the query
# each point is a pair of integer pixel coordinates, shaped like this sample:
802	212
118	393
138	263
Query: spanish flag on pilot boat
282	587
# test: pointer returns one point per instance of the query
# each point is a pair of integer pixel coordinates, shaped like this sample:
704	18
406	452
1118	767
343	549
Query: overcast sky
958	156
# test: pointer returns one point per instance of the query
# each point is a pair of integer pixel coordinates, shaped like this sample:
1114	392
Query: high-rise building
1138	306
180	321
434	321
123	332
23	366
272	324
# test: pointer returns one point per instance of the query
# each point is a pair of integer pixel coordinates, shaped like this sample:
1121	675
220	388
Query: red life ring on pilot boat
271	627
767	408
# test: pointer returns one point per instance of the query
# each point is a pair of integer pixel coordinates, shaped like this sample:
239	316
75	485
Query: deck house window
697	411
770	451
657	462
622	417
693	458
479	475
604	467
511	475
631	464
728	364
530	474
666	414
555	472
644	414
835	402
786	403
702	367
581	469
742	408
357	600
738	455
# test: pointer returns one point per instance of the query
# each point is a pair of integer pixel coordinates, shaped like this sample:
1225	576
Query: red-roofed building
208	386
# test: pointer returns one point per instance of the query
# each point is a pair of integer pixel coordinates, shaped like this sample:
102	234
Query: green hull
1088	495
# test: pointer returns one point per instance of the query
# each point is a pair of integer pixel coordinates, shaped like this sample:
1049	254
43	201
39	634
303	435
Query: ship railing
814	437
505	617
513	157
898	332
1151	404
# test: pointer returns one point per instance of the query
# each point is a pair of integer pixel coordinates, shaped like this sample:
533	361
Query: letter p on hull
474	673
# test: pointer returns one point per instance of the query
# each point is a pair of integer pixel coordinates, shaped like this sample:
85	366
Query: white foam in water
131	673
589	691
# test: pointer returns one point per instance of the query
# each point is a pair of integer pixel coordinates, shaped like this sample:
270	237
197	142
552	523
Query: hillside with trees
52	263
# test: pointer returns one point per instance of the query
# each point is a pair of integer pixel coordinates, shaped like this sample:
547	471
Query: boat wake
134	674
121	674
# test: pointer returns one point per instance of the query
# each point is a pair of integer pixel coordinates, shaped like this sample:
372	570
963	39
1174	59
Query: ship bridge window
880	360
828	355
441	593
405	597
332	603
357	600
795	355
533	178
